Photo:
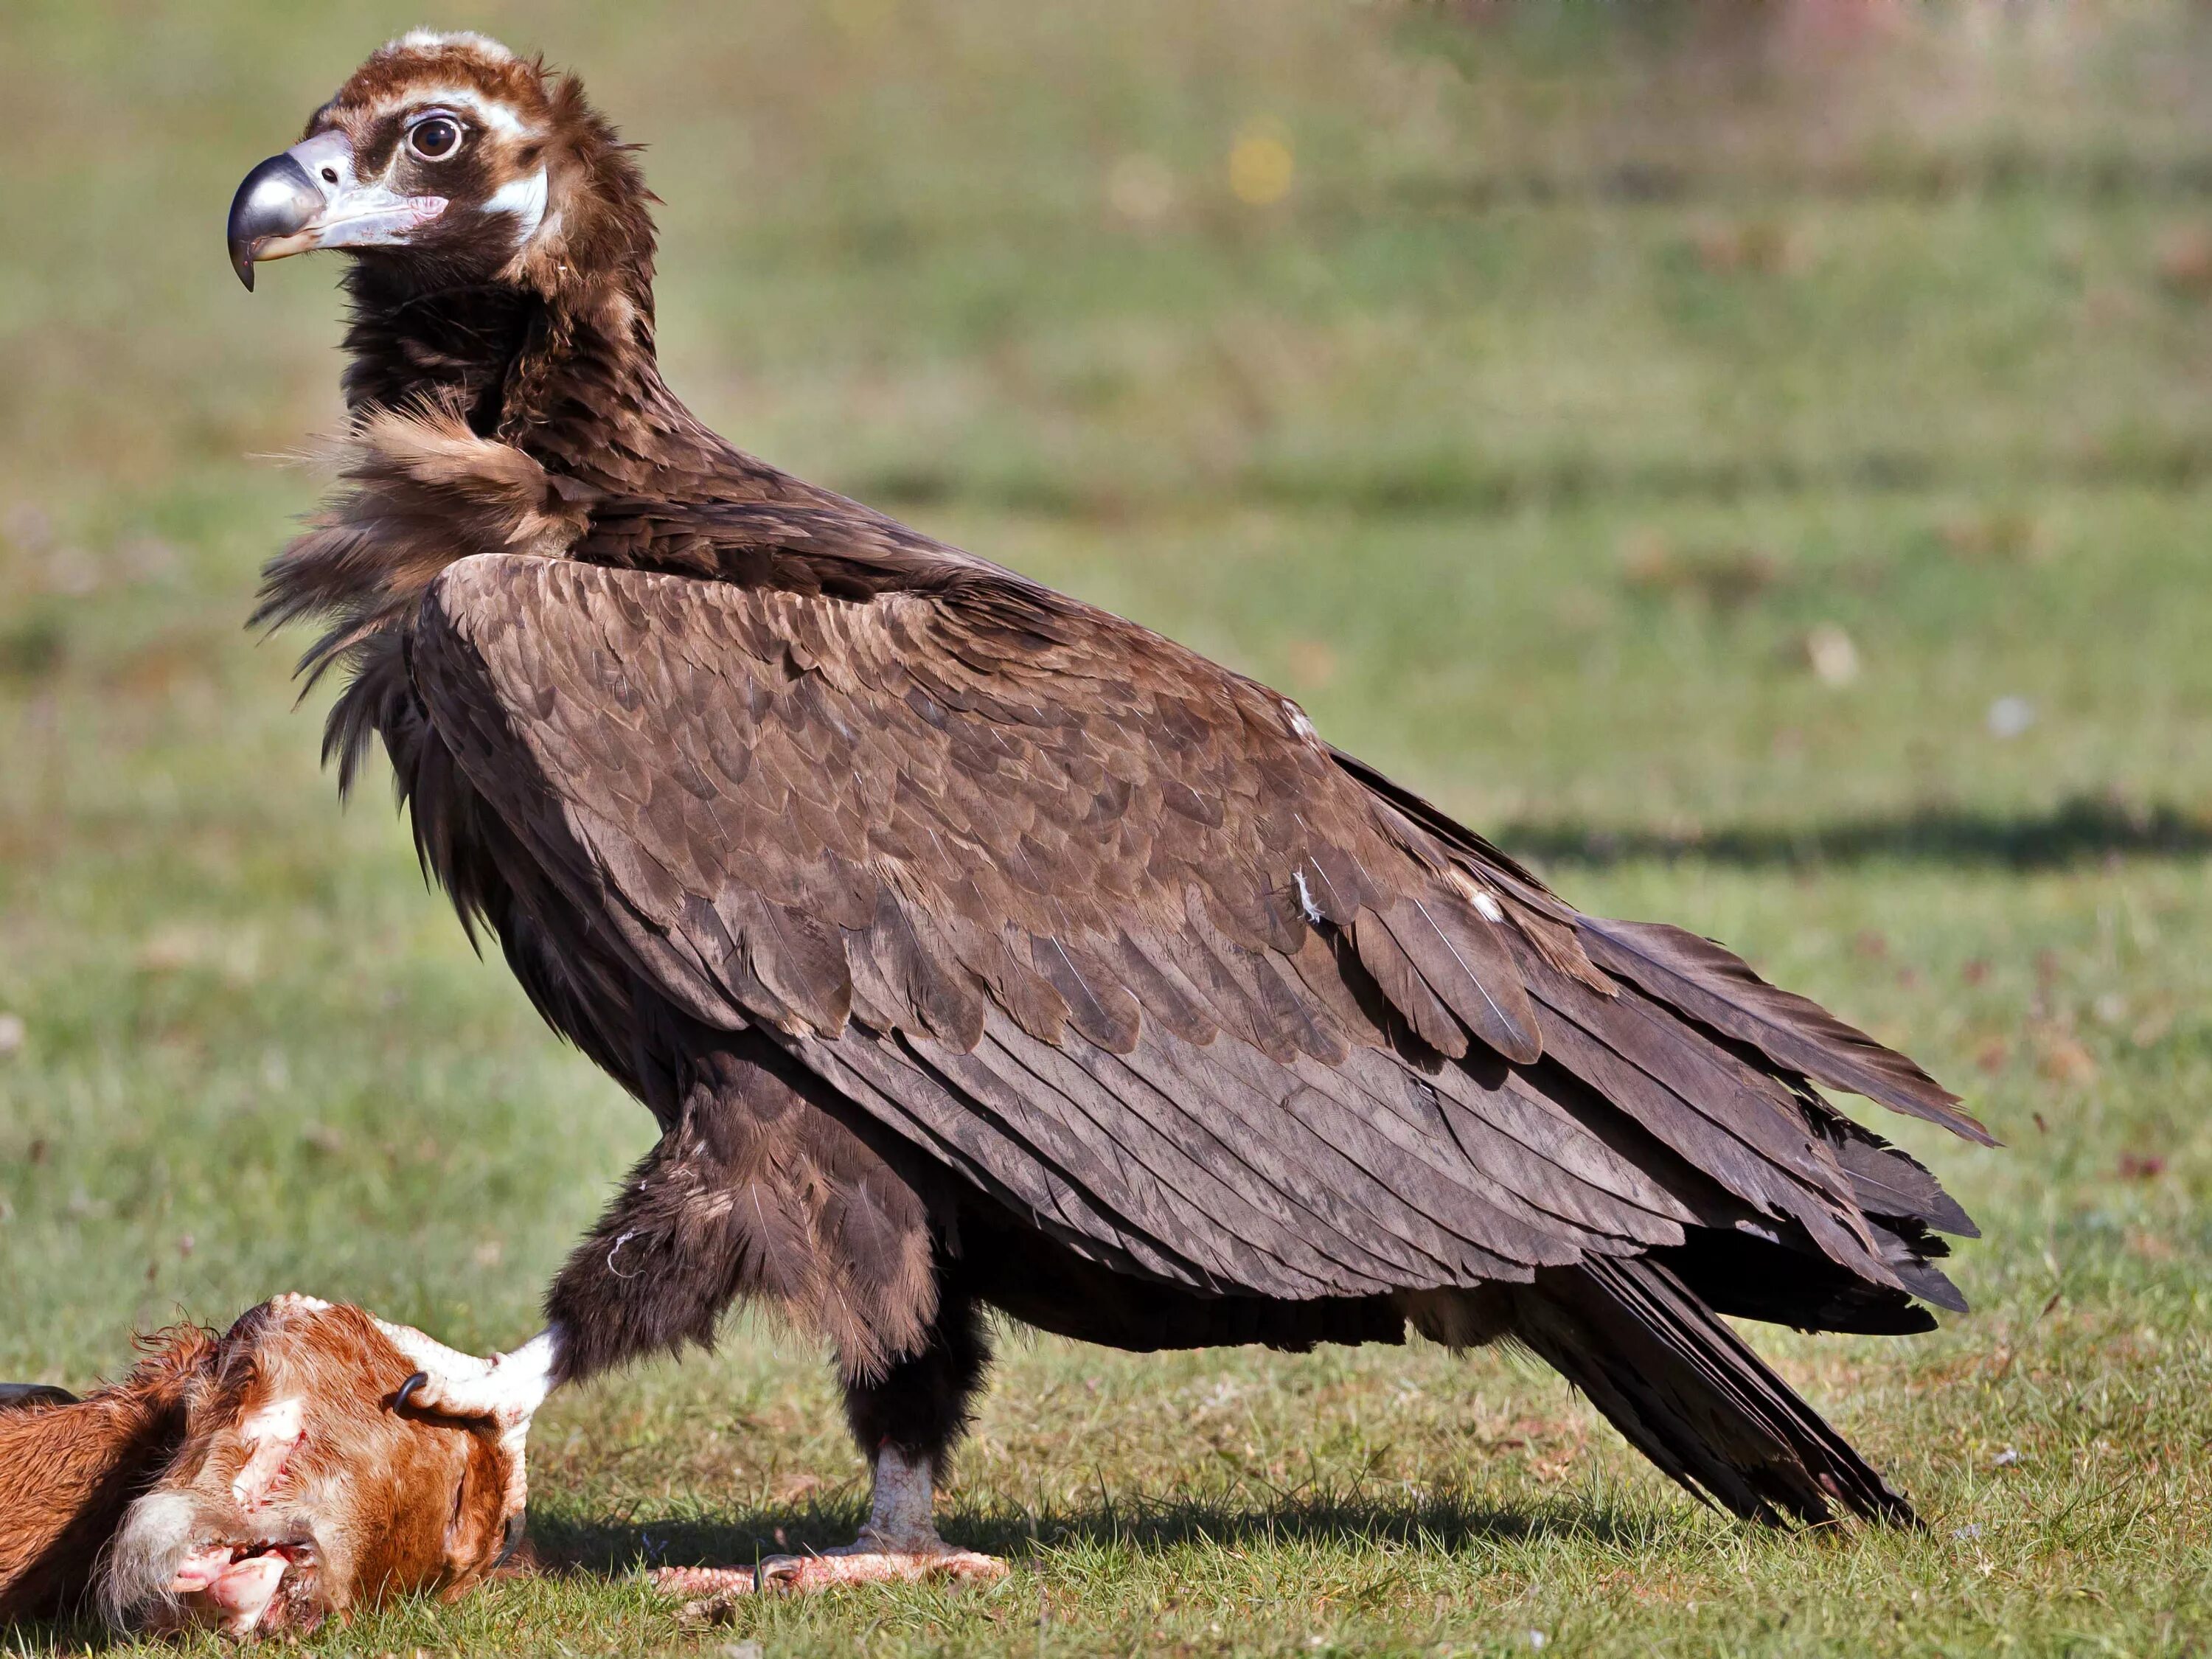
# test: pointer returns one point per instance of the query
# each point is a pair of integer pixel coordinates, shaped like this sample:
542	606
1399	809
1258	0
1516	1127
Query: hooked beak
307	198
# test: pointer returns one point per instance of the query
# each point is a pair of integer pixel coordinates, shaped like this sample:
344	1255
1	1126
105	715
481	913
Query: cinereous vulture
976	949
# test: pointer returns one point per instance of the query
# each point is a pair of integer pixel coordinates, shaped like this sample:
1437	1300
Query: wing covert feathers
797	763
1104	929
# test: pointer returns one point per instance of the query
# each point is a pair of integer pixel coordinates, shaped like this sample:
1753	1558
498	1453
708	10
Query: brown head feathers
543	198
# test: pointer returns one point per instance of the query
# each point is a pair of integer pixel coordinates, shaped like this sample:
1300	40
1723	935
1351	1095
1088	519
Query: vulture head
446	162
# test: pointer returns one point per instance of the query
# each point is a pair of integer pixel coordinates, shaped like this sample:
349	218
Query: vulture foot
898	1545
708	1591
866	1563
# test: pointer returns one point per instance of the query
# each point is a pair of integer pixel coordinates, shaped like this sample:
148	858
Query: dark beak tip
277	198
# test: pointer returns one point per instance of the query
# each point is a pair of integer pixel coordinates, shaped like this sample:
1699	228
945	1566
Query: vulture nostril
329	175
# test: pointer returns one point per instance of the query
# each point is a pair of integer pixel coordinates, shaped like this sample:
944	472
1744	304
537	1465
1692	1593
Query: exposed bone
273	1432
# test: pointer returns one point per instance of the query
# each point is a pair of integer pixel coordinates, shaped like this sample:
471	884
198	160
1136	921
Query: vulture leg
898	1544
758	1190
755	1191
906	1422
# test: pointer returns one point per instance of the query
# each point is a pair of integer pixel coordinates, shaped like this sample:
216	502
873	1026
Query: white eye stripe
525	199
488	112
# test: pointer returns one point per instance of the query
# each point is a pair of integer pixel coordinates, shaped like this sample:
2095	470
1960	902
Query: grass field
1765	481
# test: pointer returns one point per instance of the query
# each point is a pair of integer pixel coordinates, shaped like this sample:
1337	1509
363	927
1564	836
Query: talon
779	1573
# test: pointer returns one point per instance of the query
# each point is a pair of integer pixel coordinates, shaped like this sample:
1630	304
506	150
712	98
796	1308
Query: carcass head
307	1483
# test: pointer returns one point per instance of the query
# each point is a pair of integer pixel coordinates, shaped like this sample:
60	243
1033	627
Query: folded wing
1109	931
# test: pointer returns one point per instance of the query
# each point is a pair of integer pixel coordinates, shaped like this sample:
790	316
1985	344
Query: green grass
1585	374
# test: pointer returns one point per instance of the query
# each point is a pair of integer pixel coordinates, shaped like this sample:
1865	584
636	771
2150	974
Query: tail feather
1691	1396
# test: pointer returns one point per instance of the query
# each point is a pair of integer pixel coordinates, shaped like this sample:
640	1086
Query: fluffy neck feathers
555	353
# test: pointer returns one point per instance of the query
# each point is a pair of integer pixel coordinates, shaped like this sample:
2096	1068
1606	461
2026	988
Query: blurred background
1751	460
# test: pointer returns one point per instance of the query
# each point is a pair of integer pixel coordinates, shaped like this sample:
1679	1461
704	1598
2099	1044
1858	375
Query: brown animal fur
108	1498
69	1471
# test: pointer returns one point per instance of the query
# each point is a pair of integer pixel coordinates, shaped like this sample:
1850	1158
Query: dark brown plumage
975	947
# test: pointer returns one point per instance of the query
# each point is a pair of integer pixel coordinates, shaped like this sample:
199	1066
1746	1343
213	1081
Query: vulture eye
435	137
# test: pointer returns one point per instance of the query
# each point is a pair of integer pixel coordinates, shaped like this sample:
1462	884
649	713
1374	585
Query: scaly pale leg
897	1544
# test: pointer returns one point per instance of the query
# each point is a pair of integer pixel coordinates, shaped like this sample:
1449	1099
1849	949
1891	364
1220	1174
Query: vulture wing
1109	930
